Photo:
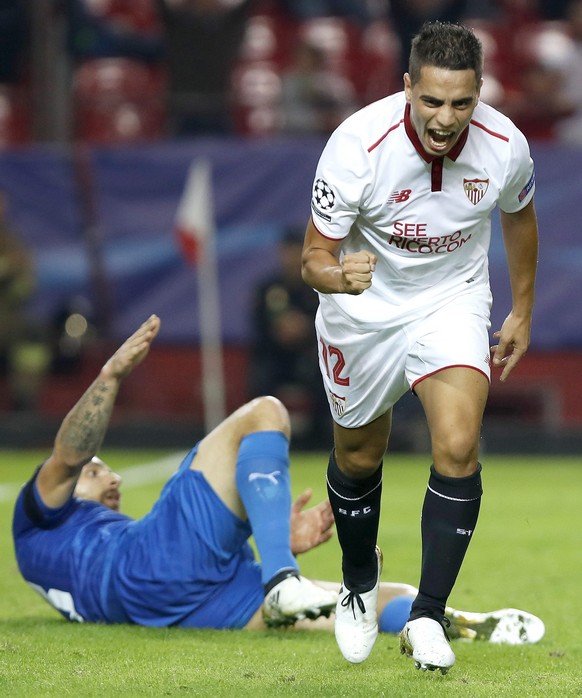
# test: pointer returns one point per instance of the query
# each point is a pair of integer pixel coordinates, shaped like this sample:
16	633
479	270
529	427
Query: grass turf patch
525	554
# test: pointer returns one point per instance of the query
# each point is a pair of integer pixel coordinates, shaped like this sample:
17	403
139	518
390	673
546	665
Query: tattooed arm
82	431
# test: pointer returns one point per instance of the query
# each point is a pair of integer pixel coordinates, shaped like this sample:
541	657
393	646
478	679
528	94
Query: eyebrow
456	102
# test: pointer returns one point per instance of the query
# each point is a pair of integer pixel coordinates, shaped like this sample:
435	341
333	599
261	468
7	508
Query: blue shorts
188	562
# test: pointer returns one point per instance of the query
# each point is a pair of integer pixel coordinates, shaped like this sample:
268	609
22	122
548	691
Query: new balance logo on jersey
398	197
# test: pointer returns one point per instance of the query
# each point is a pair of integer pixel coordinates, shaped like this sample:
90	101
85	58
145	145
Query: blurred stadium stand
366	55
15	116
118	100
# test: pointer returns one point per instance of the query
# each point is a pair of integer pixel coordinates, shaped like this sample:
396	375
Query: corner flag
195	230
195	215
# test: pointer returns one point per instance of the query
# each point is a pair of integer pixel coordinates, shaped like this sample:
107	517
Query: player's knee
358	464
456	455
269	413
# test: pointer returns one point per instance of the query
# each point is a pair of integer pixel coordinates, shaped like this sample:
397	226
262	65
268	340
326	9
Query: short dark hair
445	45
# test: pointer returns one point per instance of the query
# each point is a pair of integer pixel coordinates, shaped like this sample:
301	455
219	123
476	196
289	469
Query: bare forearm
322	271
522	274
83	429
521	246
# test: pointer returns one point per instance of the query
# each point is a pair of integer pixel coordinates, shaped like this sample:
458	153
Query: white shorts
366	372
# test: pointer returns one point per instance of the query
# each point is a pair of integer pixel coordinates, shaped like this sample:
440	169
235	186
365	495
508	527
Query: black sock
356	508
449	516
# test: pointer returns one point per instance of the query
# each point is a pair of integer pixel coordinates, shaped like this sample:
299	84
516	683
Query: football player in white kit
397	248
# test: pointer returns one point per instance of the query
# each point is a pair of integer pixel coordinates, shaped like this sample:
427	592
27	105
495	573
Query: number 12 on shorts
334	362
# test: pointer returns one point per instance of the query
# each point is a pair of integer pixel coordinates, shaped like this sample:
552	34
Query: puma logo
271	477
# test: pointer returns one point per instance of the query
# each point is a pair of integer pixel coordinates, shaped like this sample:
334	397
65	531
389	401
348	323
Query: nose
115	479
446	116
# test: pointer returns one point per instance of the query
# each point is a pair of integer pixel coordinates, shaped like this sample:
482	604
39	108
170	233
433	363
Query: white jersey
427	218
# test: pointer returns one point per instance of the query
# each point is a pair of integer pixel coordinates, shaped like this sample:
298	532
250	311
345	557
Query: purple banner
100	224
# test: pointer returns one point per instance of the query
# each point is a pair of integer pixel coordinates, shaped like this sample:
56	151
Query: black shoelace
445	622
351	600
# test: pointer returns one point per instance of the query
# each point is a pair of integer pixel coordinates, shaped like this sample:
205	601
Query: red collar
453	153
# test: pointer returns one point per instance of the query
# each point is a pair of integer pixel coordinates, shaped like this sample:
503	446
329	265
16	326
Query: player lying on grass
188	562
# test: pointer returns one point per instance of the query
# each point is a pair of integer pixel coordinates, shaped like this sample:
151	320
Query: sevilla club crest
475	189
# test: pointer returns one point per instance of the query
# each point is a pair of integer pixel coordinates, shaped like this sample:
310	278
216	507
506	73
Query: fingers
357	271
325	536
143	337
506	355
149	329
302	500
134	349
326	511
510	363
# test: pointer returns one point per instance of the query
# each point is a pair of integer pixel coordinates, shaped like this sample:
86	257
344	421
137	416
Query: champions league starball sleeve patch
526	190
323	199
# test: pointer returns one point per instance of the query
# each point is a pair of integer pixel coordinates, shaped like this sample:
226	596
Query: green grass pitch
526	552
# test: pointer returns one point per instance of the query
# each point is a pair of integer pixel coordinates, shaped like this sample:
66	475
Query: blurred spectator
540	104
23	353
92	33
284	356
356	10
552	9
407	17
569	61
485	9
202	41
314	99
14	34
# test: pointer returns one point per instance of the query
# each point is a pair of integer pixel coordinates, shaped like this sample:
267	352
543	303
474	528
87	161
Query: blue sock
395	614
262	479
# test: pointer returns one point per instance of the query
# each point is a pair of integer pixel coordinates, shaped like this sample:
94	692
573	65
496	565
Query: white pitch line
133	476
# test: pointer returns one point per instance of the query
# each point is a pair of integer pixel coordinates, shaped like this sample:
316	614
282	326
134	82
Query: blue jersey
186	563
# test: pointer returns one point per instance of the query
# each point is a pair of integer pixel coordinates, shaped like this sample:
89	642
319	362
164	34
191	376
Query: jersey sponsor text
413	237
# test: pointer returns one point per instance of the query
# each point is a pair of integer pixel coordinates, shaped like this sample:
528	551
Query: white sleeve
339	184
519	184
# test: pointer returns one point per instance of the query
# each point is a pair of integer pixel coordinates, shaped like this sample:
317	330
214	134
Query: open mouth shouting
440	141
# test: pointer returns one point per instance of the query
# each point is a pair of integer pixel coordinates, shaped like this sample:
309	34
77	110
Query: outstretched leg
246	461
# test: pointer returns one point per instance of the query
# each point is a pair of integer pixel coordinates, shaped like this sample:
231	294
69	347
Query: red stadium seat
122	122
267	39
338	38
545	42
140	15
15	116
119	100
377	71
498	53
126	77
256	95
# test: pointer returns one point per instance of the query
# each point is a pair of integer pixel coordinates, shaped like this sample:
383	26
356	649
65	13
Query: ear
407	87
479	86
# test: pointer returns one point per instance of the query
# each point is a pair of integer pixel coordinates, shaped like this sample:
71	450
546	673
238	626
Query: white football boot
356	620
296	598
508	626
425	641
